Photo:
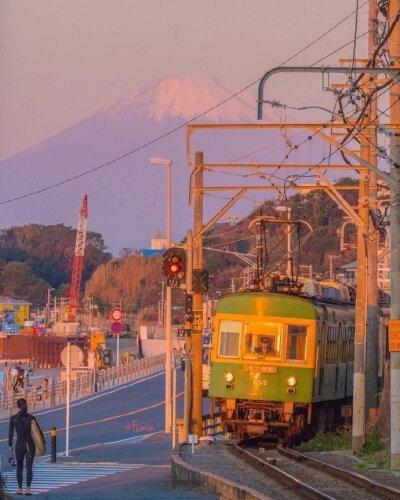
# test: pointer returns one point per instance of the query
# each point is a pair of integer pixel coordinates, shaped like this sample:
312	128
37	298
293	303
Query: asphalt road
133	409
119	416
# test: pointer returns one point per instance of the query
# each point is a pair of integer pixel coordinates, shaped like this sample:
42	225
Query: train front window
296	342
229	337
262	340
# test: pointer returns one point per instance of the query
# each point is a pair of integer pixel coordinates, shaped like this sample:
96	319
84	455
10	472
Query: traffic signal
174	266
189	307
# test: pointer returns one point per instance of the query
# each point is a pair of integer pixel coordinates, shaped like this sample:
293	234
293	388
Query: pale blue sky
62	60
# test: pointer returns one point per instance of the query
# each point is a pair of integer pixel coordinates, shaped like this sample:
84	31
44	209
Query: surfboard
38	439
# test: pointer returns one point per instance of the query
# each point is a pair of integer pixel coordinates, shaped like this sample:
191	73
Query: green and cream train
281	364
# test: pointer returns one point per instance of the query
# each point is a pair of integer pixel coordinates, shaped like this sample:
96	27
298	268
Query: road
131	417
112	415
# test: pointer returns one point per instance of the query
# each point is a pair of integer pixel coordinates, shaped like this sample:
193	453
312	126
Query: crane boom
77	265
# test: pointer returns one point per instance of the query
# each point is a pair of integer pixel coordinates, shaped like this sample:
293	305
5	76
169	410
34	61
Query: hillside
137	281
34	258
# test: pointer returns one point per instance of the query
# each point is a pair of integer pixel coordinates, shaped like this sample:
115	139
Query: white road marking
48	477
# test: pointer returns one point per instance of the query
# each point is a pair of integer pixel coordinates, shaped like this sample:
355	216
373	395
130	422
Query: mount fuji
106	156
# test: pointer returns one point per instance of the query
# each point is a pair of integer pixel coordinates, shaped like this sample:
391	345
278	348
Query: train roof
266	304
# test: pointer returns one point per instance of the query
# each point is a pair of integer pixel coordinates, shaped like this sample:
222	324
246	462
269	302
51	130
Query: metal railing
83	384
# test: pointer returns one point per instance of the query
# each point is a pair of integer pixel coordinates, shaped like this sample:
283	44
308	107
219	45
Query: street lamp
168	329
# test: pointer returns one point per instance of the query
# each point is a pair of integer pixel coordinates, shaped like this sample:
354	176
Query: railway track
310	478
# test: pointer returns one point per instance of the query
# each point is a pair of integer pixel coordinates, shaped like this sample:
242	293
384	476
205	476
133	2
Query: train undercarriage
285	421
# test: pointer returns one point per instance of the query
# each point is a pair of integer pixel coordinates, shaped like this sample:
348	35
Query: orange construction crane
77	265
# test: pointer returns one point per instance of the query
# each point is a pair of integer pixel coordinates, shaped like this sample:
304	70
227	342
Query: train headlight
291	381
229	376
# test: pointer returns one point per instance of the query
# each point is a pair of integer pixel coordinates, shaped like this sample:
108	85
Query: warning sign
394	335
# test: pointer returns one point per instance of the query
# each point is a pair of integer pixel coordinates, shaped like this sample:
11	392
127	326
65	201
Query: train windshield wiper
255	352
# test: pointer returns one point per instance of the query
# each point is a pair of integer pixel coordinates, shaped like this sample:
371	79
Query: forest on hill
135	281
35	257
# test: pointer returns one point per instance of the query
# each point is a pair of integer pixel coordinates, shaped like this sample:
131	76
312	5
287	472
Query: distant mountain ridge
126	197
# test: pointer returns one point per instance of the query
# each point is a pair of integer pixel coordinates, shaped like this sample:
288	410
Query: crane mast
77	265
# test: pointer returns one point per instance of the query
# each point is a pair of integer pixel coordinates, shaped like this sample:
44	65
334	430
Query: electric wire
171	131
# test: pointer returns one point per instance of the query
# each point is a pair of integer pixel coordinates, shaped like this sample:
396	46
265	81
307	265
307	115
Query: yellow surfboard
38	439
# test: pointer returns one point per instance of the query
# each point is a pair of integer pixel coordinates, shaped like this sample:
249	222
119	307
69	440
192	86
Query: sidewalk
148	480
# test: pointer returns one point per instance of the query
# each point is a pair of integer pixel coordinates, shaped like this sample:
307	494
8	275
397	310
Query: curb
184	474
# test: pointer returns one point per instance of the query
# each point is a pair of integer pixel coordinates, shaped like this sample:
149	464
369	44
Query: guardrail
82	384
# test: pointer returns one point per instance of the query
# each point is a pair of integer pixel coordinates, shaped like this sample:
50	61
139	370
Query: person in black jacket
25	446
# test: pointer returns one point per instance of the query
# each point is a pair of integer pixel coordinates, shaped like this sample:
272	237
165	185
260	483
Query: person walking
25	446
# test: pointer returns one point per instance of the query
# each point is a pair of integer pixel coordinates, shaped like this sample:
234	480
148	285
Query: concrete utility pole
394	54
371	364
361	303
197	332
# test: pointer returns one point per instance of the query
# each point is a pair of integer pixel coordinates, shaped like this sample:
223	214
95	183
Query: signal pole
197	331
394	55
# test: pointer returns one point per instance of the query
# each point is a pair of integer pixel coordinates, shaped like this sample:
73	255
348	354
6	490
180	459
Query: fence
82	384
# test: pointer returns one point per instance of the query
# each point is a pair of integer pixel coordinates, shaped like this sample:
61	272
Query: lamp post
168	330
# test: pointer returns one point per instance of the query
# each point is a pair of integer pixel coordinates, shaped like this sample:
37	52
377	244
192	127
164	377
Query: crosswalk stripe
48	477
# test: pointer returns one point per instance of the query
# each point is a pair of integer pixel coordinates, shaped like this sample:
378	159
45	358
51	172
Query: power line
175	129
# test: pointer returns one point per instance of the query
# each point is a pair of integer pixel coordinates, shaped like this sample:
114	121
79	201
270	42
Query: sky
63	60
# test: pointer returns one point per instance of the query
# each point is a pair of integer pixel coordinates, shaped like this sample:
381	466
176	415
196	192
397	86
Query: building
350	272
20	309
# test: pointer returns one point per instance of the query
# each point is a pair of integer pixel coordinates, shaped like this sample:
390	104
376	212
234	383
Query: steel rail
344	475
295	484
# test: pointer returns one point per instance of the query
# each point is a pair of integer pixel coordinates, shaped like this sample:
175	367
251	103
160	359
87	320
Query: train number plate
260	369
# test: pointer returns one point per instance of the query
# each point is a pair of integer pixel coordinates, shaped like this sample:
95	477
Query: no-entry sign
116	327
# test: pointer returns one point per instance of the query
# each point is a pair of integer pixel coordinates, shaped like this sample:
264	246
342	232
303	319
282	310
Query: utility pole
331	258
188	343
394	55
371	365
197	331
361	302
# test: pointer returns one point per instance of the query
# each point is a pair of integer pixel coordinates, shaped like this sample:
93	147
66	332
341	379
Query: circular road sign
76	356
116	327
116	314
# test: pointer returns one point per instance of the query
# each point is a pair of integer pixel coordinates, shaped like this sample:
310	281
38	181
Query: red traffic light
174	268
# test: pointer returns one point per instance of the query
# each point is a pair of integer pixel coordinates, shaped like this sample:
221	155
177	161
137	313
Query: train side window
331	344
296	342
229	337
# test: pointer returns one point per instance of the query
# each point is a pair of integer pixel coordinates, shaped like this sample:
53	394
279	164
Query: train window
347	353
296	342
229	336
331	344
262	340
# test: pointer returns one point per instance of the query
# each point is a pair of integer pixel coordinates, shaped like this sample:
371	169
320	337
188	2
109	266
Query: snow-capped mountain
186	98
126	194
